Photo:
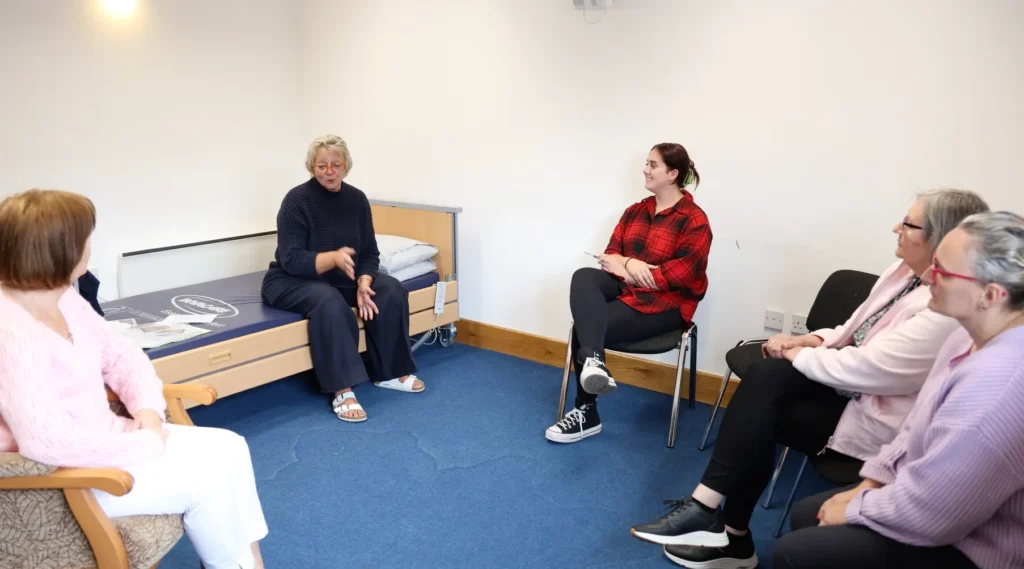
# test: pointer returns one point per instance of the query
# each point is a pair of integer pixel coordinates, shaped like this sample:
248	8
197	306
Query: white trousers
205	474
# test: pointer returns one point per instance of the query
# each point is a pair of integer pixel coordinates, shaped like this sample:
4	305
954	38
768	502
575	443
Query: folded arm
689	261
895	362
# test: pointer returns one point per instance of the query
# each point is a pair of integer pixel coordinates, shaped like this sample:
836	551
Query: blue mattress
236	301
423	281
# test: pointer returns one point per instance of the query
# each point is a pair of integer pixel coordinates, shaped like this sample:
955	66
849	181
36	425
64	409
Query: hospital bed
250	343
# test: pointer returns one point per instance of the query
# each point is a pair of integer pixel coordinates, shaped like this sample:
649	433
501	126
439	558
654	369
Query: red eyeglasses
936	270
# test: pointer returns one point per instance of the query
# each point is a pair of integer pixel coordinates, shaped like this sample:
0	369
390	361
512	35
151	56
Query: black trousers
774	403
334	331
845	546
599	320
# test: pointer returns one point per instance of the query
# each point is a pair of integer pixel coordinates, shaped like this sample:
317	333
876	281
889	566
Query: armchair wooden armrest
111	480
174	393
77	485
202	394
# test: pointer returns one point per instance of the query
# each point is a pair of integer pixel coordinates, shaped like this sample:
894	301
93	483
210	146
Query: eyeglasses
936	270
909	225
321	167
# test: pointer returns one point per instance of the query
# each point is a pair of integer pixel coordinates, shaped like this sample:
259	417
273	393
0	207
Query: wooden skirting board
630	370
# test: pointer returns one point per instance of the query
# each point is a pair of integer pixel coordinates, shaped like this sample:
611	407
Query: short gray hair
331	142
945	208
998	255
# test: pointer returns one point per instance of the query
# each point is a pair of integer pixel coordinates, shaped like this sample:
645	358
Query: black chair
837	299
683	340
837	469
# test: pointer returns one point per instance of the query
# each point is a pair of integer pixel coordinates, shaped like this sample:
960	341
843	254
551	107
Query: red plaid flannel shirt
678	240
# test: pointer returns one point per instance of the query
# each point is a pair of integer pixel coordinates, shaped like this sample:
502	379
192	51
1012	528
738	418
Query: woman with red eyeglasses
948	491
841	392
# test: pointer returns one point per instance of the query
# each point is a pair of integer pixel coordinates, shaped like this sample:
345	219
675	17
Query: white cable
434	335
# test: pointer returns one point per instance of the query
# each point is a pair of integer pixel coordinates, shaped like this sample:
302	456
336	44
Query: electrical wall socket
799	325
774	319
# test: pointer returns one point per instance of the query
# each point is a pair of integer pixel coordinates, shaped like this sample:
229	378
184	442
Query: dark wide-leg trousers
334	330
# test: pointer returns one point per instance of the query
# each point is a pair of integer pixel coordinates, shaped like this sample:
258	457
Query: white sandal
399	385
341	407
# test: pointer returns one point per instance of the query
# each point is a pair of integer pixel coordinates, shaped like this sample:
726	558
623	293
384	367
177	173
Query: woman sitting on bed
326	264
56	355
651	278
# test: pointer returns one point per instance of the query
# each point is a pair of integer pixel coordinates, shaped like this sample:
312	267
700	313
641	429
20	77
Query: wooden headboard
431	224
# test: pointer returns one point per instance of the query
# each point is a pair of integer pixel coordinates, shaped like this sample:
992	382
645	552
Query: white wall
812	123
182	124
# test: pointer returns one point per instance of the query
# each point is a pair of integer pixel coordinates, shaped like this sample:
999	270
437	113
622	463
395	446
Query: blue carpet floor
461	475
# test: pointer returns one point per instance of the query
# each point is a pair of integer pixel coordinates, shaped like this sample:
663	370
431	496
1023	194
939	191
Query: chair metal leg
775	479
714	410
693	365
789	502
684	345
565	376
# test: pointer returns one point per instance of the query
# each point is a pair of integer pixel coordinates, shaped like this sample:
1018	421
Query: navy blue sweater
314	220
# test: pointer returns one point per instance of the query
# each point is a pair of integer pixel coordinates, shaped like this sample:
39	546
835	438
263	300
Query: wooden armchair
49	518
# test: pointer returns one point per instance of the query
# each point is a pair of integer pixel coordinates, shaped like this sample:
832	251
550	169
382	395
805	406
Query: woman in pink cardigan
948	491
843	391
56	355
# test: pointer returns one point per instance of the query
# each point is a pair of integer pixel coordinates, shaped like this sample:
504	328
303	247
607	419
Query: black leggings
334	331
846	546
600	320
774	403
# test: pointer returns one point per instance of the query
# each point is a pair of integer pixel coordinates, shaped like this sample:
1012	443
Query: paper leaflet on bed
155	334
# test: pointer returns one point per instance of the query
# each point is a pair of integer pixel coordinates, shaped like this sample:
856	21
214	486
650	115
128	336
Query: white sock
736	531
707	496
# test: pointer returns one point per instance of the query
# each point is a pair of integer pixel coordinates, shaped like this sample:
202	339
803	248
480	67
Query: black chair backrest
839	297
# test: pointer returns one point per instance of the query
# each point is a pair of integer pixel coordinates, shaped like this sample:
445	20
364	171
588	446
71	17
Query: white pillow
400	252
414	270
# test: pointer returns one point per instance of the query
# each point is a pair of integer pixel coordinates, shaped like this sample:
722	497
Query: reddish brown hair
42	238
676	157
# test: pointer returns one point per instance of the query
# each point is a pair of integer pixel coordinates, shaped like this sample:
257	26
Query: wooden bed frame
249	361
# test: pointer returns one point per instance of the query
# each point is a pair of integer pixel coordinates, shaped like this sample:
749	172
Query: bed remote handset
439	293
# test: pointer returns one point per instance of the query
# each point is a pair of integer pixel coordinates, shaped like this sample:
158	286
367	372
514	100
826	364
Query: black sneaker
595	377
739	554
689	523
578	424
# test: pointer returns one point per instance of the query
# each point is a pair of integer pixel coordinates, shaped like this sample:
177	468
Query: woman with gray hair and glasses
841	391
949	490
326	264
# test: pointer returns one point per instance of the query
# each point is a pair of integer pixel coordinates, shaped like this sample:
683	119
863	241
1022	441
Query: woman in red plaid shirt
651	278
